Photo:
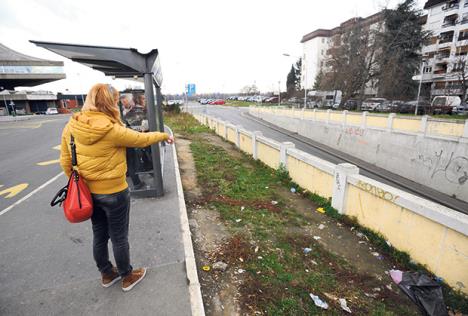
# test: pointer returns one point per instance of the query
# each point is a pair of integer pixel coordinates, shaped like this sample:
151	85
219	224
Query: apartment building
316	46
444	56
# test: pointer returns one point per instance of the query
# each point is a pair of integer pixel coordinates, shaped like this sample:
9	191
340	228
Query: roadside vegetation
239	103
271	248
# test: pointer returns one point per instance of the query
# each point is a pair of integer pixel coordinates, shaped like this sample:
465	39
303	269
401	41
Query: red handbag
75	197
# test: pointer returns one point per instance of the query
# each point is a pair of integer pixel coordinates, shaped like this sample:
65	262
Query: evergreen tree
293	80
401	42
318	80
297	73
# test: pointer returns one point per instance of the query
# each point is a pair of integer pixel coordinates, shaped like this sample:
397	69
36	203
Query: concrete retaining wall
439	162
432	234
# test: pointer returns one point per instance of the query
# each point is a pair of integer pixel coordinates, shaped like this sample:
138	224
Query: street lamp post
4	101
13	110
279	93
419	88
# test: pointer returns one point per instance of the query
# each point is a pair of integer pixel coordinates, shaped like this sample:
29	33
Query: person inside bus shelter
127	103
139	159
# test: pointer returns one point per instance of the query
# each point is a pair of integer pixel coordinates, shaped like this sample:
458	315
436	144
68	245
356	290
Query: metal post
152	124
279	93
419	88
159	112
305	82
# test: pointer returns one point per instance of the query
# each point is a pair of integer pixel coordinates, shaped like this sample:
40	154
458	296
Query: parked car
445	104
352	104
217	102
294	100
374	104
51	111
424	107
462	109
272	100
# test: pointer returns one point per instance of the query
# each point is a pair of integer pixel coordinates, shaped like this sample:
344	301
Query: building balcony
451	6
446	91
445	40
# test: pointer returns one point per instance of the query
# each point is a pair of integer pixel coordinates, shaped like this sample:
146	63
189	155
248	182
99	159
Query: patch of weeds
270	239
184	123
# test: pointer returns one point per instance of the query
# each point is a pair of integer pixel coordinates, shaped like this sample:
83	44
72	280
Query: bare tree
250	90
352	61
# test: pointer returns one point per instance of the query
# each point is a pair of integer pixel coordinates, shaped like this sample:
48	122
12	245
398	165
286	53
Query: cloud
219	45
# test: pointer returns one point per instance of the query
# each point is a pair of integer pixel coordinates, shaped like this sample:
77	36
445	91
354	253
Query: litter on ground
321	210
318	302
344	305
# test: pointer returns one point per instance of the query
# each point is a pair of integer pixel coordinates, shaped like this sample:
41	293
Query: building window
463	35
427	70
446	37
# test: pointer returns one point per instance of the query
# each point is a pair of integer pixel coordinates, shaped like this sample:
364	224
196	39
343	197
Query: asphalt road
25	145
240	116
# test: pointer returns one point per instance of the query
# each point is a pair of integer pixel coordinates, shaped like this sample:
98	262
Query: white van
445	104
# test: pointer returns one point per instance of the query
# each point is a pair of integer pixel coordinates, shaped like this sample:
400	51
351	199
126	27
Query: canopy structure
125	63
17	69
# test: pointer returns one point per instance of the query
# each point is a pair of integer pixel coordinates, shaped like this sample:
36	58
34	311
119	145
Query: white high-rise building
316	44
444	56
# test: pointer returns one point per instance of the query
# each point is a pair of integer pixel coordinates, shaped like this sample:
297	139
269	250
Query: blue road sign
190	89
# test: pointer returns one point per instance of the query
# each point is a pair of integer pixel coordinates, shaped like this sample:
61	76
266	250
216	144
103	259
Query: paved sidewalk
46	265
5	118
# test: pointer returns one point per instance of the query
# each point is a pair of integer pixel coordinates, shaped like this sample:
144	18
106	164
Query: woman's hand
170	140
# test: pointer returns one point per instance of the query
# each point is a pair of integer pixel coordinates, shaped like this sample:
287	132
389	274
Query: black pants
132	166
110	220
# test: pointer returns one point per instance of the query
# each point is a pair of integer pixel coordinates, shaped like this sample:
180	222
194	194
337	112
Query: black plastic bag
424	292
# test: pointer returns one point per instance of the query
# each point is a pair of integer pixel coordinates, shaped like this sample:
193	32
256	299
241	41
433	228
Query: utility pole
279	93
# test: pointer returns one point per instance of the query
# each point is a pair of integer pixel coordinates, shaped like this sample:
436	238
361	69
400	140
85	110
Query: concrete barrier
439	162
432	234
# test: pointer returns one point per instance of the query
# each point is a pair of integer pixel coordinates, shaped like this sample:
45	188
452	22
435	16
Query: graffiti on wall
372	189
357	131
454	168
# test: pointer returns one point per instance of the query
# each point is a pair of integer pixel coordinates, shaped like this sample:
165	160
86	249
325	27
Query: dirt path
219	289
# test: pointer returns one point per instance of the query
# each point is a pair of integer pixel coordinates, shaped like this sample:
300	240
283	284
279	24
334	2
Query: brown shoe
133	279
109	279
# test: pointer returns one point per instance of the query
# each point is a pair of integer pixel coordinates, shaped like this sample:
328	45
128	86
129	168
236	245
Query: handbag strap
73	151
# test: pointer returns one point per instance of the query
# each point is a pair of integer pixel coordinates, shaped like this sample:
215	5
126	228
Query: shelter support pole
159	112
152	124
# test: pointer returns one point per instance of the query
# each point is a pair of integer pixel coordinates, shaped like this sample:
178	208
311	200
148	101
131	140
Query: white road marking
30	194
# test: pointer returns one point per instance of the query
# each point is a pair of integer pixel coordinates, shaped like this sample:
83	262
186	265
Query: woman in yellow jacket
101	139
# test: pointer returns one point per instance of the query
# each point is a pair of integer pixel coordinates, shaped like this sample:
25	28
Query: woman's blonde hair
103	98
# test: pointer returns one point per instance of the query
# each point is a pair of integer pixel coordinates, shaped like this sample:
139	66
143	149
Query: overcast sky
219	45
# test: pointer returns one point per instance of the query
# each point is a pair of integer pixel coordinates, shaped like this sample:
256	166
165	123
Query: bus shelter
128	63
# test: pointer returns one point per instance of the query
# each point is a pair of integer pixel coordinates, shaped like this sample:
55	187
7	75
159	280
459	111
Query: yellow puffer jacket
100	149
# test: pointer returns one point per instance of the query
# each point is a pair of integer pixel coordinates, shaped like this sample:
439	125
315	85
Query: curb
196	300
